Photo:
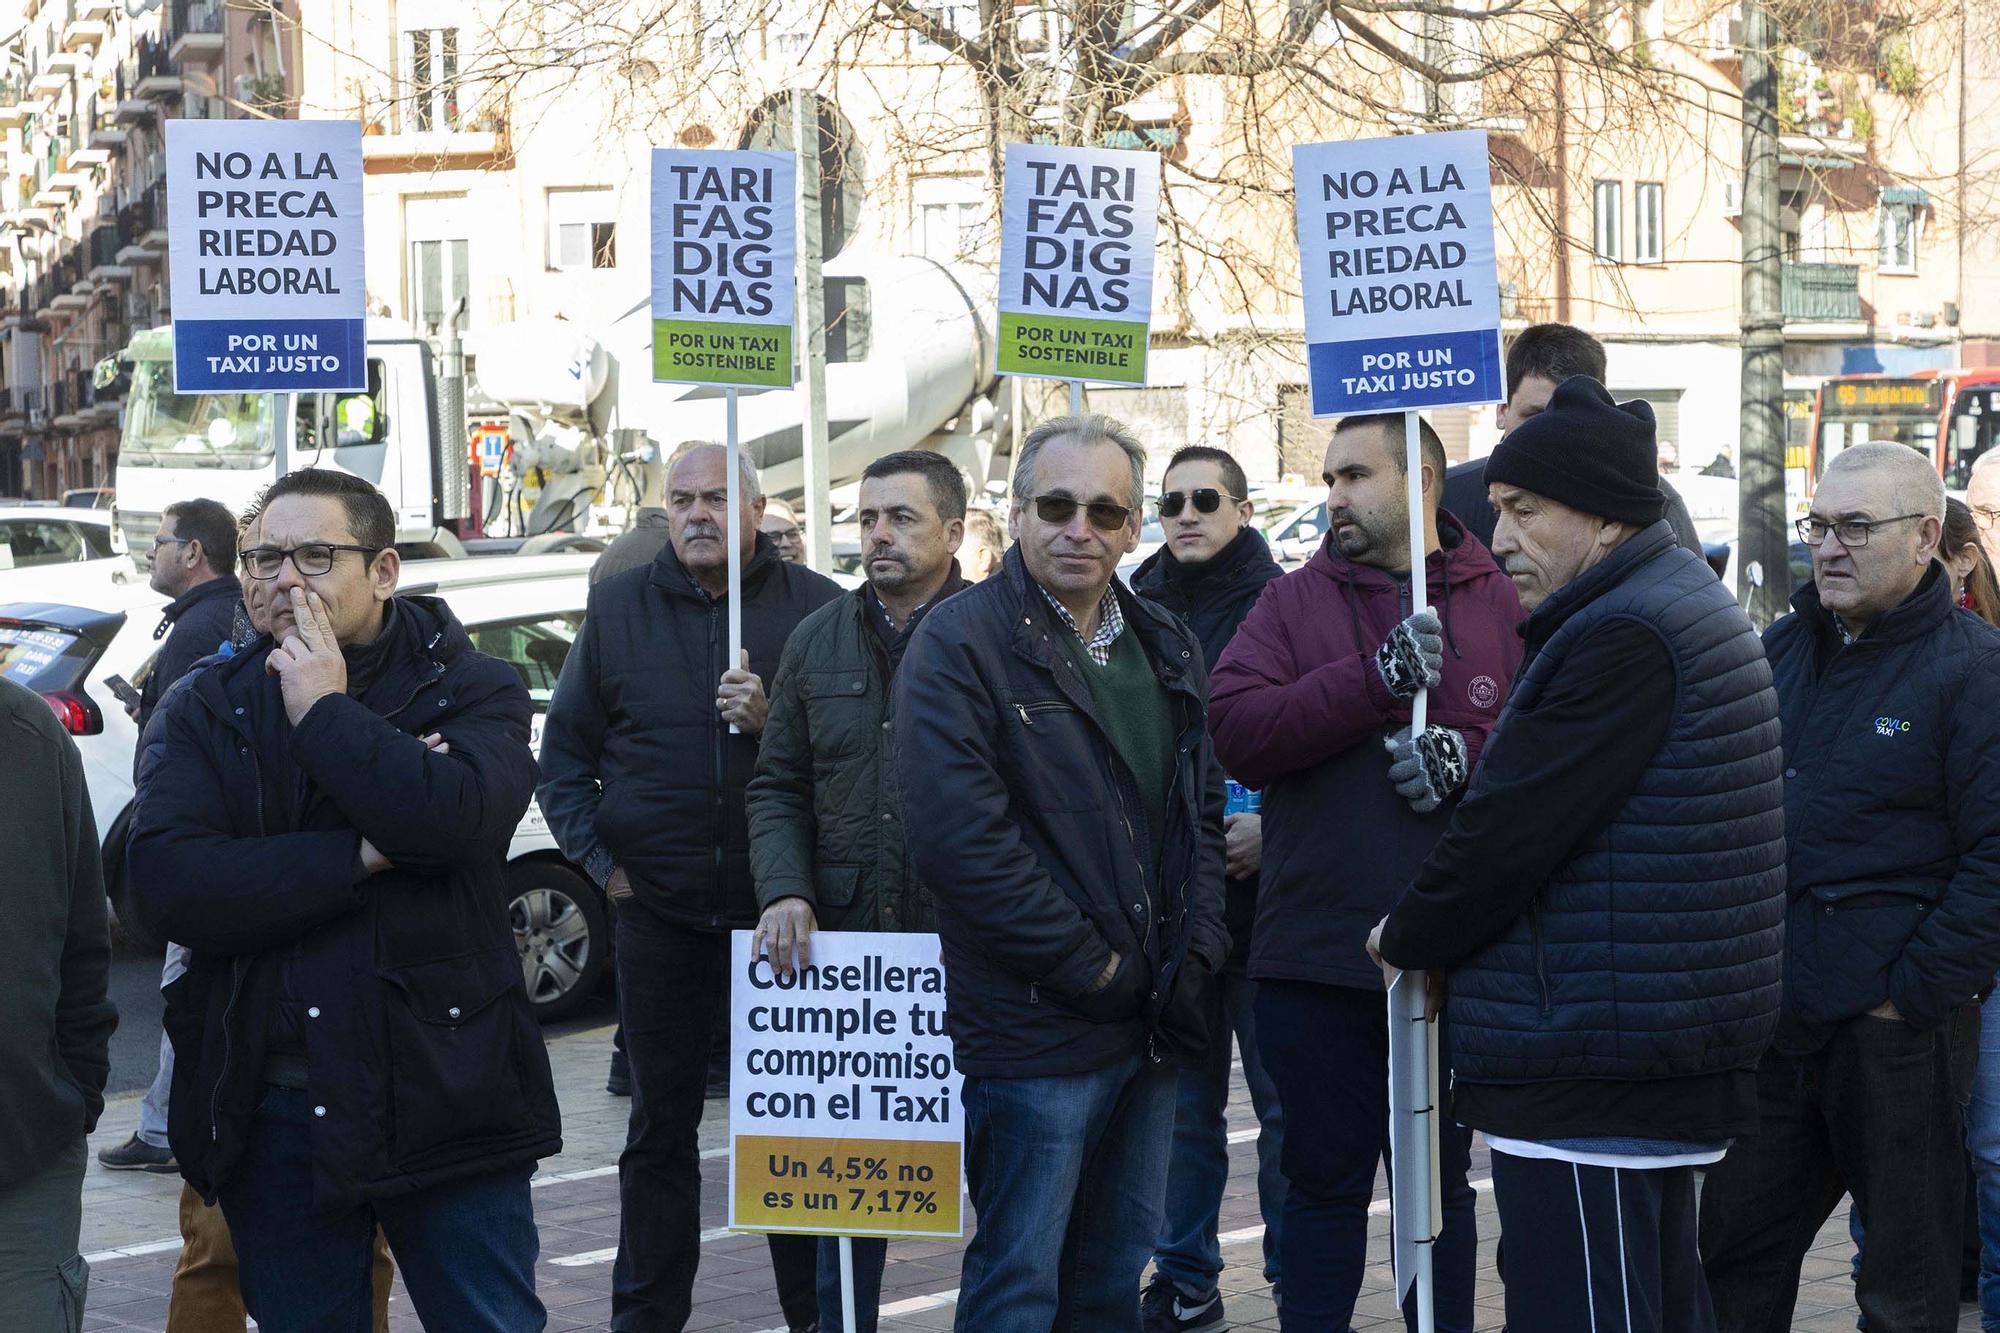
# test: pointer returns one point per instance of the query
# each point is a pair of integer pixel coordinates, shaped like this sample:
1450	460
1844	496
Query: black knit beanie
1587	452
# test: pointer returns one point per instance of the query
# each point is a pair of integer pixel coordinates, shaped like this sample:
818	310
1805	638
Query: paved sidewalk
129	1228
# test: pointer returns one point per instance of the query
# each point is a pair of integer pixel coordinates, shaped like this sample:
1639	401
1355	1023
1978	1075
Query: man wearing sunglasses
1052	723
1891	713
1209	573
322	818
1313	688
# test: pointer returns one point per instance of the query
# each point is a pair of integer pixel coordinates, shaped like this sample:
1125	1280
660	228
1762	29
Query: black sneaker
135	1154
1163	1308
619	1081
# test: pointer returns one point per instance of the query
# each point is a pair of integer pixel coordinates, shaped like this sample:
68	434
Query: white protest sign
724	231
844	1117
1402	298
264	254
1076	262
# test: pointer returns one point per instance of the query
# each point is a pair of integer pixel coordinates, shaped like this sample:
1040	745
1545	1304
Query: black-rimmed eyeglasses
1852	532
311	559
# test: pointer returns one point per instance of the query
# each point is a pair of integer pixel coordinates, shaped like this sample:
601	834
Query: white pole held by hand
1076	398
732	463
1413	1052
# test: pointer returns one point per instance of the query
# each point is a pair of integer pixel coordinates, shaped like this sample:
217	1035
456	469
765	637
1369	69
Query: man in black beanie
1608	898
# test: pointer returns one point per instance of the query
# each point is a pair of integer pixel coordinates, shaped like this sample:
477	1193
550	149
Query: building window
1648	205
438	281
431	62
583	229
948	217
1607	229
1899	238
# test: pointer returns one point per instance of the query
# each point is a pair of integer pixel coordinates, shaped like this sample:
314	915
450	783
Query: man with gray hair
1890	701
642	785
1053	723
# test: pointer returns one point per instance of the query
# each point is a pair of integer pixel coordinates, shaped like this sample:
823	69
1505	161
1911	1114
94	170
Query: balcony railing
203	16
1822	293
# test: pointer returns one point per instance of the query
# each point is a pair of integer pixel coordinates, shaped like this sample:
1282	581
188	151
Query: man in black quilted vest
1608	897
1891	702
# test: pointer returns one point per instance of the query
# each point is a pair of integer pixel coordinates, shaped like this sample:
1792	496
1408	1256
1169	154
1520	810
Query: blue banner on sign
1399	374
269	355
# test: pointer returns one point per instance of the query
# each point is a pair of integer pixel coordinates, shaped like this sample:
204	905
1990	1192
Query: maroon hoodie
1297	708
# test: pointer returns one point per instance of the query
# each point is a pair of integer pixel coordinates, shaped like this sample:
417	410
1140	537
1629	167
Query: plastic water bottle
1241	800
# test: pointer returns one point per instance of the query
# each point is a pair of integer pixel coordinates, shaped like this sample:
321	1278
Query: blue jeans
466	1248
1982	1138
1067	1175
1327	1048
871	1256
1188	1251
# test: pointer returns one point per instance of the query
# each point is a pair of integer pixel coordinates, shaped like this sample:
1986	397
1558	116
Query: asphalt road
135	987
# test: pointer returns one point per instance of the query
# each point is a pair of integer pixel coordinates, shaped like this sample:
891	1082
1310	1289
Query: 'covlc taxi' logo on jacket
1890	726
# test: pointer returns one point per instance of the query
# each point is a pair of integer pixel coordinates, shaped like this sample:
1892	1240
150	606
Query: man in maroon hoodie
1311	702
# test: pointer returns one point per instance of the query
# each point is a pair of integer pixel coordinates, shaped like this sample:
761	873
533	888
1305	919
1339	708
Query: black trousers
670	980
1598	1249
1879	1113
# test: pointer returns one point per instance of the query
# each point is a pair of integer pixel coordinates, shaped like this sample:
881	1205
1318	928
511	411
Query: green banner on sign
1067	348
754	354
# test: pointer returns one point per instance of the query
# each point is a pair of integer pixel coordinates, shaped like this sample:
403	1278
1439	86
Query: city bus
1952	416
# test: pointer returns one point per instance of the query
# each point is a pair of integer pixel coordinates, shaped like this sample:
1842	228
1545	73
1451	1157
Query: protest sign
724	231
1402	298
264	254
844	1116
1076	262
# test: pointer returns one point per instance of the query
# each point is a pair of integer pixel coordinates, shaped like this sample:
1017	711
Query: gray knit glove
1425	773
1412	657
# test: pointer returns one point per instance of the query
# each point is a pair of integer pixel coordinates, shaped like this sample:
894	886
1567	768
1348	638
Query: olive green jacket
826	812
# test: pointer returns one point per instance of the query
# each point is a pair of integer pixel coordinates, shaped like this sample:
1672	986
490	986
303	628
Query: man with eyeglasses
322	818
1052	721
1891	713
651	738
1982	497
1311	702
1209	573
781	524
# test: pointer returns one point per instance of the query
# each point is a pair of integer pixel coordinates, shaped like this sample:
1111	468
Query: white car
524	610
59	554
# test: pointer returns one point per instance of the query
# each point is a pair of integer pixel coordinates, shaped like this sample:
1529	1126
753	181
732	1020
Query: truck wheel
561	934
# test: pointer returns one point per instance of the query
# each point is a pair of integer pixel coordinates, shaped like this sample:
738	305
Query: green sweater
1135	709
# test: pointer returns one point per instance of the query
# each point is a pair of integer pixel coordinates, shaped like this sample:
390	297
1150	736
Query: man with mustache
642	785
1309	695
823	850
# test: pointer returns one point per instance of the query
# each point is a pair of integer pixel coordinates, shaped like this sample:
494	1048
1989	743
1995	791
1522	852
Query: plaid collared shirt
1110	624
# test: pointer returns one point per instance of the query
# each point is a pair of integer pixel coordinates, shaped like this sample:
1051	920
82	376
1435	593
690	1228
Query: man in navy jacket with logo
1891	699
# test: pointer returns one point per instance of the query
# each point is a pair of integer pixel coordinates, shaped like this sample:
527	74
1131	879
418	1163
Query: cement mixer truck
910	360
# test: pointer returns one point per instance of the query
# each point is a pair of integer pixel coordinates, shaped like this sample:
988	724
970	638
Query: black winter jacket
1032	835
421	1045
638	769
1213	598
194	625
1892	760
826	776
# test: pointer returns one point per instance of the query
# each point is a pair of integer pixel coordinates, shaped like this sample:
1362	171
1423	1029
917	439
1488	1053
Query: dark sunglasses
1060	509
1206	501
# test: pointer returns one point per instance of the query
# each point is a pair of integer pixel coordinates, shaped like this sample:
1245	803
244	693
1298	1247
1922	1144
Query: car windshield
168	429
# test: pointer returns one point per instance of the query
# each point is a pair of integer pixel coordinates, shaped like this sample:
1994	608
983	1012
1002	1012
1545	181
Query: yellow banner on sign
847	1187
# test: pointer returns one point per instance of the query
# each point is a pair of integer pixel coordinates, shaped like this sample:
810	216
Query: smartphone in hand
123	688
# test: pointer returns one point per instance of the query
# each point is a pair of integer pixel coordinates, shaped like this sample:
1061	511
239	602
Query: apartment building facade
505	147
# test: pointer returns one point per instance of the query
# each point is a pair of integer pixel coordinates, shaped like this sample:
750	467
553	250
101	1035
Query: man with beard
642	784
821	852
1313	689
1209	573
